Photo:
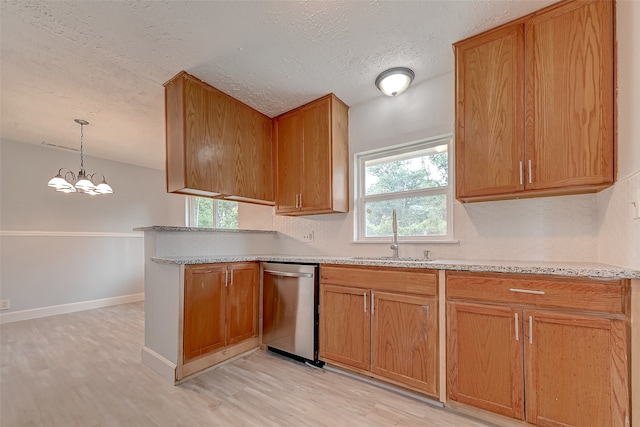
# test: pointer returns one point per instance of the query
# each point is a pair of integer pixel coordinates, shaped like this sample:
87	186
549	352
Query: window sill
407	242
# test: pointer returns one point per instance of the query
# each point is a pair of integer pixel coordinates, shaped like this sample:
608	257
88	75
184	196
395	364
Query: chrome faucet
394	242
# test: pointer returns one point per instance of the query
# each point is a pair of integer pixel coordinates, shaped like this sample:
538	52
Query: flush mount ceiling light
83	183
394	81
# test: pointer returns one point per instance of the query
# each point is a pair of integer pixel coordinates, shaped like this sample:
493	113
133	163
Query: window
210	213
414	179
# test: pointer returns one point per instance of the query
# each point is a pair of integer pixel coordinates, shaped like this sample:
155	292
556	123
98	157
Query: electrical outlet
4	304
308	237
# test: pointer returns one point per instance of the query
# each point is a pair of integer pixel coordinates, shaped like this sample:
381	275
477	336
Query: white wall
544	229
618	232
65	249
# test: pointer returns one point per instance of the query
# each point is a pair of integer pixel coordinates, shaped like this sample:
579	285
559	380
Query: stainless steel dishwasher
290	310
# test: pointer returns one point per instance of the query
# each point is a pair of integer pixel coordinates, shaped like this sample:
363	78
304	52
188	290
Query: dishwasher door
289	309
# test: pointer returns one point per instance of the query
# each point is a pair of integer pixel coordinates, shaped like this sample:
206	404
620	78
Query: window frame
190	212
396	150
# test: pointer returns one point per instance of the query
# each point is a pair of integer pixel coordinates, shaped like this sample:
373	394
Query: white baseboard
159	364
53	310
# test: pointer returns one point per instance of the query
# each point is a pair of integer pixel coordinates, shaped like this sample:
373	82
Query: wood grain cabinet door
242	302
288	142
405	339
345	326
576	370
316	157
484	357
204	310
489	113
570	96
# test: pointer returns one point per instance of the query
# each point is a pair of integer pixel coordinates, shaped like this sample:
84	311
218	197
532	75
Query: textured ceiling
106	61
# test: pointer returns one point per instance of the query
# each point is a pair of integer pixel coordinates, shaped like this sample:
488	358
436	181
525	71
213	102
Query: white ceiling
106	61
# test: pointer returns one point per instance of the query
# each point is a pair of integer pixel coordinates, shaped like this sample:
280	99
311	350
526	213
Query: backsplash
618	233
540	229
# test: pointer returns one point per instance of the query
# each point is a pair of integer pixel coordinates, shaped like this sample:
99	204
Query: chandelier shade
83	182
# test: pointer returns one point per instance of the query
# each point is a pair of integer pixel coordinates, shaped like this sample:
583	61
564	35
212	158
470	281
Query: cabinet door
204	310
288	133
316	182
345	330
204	171
576	370
490	113
484	357
405	339
242	302
570	96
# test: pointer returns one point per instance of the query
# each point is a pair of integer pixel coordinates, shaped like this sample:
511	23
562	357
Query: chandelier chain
81	144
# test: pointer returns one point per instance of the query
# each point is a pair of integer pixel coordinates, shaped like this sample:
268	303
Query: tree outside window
211	213
414	180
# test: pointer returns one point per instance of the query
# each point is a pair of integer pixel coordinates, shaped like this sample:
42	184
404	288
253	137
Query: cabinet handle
297	194
365	302
517	324
521	172
372	302
231	279
301	200
530	179
526	291
226	278
530	330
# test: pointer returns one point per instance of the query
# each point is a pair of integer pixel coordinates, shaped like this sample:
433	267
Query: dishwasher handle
287	274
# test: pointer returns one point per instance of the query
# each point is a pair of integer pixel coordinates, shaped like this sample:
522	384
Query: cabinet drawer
587	294
406	280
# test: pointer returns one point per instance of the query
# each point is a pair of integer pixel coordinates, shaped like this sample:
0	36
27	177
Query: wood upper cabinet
490	113
220	306
549	366
570	100
311	146
535	105
386	334
216	146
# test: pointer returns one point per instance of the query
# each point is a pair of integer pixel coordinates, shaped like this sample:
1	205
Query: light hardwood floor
84	369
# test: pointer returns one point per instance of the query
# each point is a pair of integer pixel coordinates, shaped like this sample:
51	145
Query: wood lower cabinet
370	323
341	306
530	360
484	358
576	370
220	307
205	316
312	154
404	339
535	105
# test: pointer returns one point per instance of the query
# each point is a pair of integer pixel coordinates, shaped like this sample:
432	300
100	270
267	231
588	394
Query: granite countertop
199	229
518	267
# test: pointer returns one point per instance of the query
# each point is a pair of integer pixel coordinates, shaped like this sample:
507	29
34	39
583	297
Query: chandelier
83	183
